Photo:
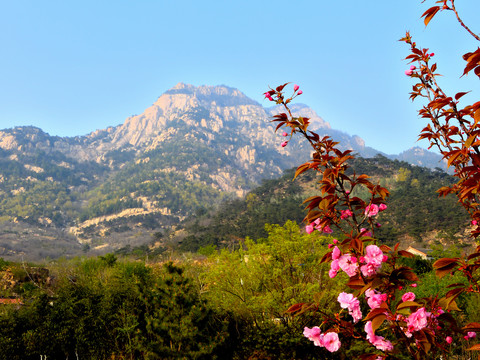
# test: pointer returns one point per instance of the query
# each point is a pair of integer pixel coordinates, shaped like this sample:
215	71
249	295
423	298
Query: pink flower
449	339
382	207
417	320
331	341
373	254
409	296
327	230
334	267
284	143
348	264
300	92
471	334
369	331
368	270
350	302
381	344
378	341
285	133
309	228
336	253
408	72
474	222
373	259
346	299
374	299
314	334
414	285
344	214
335	241
371	210
413	67
364	232
268	96
295	87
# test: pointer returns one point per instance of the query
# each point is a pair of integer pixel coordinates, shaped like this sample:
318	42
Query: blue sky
71	67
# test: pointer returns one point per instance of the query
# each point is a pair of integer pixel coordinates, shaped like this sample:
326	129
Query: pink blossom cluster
268	95
378	341
372	261
335	241
330	340
410	71
470	335
316	226
295	88
346	262
408	296
417	321
284	135
371	210
345	214
350	302
375	299
374	209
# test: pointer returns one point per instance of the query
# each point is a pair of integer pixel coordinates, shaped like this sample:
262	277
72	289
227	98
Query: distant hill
415	214
193	148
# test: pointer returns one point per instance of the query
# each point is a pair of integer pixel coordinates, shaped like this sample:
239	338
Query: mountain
192	149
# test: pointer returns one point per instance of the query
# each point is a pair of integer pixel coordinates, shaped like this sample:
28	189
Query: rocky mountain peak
299	109
182	102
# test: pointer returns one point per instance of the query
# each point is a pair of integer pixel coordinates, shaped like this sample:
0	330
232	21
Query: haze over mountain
194	147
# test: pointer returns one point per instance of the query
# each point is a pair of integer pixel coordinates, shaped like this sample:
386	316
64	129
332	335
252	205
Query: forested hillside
415	214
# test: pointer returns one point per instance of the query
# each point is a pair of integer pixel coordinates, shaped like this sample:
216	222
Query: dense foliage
230	305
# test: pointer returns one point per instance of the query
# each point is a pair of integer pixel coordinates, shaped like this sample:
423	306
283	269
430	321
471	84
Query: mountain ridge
193	147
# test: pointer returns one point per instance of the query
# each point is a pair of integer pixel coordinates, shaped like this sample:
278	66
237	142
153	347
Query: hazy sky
71	67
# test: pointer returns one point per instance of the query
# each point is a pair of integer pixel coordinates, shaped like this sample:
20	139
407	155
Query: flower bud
296	87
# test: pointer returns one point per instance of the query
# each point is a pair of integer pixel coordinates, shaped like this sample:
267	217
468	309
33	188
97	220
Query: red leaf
472	327
429	14
475	347
460	94
294	308
444	262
